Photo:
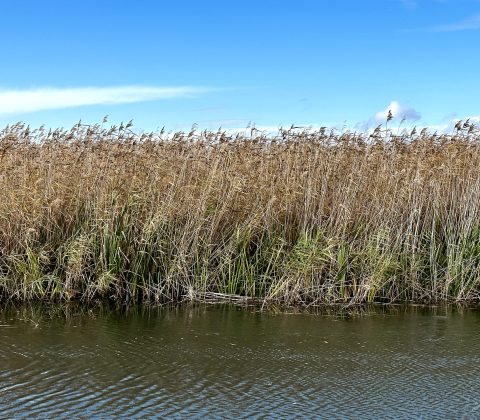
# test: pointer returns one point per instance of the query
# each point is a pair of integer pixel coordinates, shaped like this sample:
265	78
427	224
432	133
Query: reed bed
302	217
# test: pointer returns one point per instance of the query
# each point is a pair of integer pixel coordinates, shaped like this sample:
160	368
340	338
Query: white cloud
272	130
223	123
48	98
448	127
409	4
471	23
398	111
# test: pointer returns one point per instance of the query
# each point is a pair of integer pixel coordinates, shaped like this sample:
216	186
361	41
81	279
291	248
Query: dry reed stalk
302	217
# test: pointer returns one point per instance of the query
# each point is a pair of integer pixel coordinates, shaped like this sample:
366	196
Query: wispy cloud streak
471	23
409	4
48	98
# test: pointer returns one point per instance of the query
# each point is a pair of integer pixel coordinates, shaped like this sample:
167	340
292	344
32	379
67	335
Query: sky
231	64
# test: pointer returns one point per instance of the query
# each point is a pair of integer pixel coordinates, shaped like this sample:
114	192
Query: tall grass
298	218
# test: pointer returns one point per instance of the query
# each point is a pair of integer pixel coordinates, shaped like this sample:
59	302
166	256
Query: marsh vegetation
302	217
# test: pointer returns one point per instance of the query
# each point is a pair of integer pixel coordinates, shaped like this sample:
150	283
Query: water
221	361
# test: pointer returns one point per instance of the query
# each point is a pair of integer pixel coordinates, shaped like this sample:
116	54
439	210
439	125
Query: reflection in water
228	361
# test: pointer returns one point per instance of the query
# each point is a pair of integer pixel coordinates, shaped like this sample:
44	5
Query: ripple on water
232	363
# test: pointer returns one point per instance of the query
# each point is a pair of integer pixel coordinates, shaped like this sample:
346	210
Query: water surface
234	362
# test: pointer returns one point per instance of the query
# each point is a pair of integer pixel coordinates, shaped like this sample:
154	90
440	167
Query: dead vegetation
302	217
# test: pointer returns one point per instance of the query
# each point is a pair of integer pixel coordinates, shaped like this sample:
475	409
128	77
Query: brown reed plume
302	217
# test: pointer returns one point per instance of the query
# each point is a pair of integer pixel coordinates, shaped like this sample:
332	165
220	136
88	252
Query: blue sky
228	63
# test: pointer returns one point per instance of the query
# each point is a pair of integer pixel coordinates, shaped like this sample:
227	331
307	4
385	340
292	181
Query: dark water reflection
229	362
